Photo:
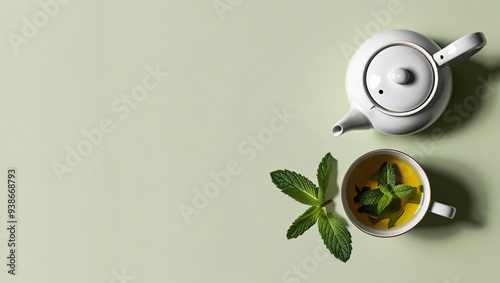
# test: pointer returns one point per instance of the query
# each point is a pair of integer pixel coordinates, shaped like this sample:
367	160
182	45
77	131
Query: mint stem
326	202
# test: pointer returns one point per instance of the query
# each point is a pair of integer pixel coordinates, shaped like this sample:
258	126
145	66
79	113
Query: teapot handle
460	50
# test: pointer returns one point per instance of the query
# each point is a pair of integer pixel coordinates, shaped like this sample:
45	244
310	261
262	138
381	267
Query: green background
119	210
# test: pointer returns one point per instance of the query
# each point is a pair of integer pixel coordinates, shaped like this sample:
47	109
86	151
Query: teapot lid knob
400	75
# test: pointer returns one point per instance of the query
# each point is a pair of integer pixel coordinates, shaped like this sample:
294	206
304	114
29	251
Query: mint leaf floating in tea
386	178
371	197
393	213
384	202
402	190
360	192
334	234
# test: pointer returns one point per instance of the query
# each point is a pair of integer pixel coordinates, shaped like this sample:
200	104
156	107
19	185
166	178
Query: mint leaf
370	209
324	170
393	216
296	186
370	197
392	212
421	188
385	189
384	201
360	192
335	236
402	190
386	177
304	222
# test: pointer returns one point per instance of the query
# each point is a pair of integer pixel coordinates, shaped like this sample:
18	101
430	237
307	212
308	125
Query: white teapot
399	82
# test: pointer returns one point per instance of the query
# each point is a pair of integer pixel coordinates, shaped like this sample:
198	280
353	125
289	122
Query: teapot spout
353	120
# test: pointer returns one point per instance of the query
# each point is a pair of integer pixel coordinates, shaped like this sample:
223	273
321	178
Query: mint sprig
386	191
335	236
387	195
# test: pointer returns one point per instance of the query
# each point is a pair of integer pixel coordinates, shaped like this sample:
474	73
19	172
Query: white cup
426	204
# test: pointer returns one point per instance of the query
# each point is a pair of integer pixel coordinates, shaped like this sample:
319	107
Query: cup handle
460	50
442	209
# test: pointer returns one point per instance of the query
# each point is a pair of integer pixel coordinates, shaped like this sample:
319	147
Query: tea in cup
386	193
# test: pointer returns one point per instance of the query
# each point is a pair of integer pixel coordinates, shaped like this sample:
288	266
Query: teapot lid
400	78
